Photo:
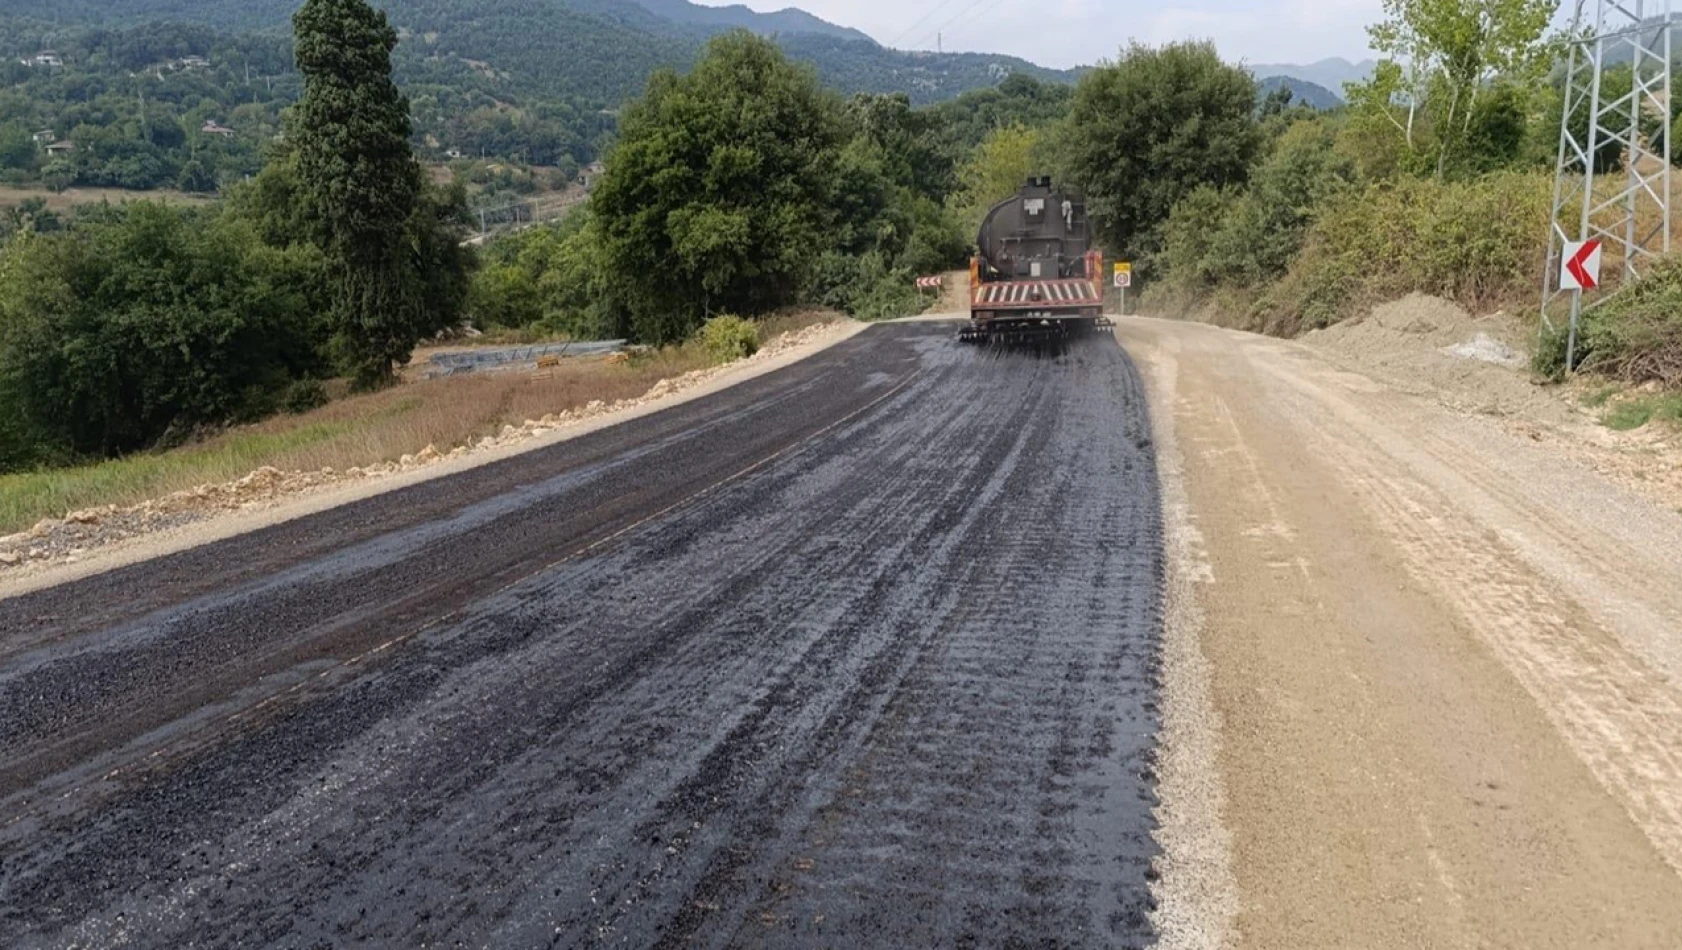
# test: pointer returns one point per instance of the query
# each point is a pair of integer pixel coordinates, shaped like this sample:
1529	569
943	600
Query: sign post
1579	271
1123	280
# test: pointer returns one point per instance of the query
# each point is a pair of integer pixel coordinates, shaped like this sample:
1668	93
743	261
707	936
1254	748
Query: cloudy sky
1070	32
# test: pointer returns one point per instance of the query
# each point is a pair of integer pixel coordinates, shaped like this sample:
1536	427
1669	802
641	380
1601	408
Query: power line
920	21
961	14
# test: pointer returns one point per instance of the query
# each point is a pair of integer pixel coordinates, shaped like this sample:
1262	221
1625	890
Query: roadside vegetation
1434	178
146	325
743	187
1634	337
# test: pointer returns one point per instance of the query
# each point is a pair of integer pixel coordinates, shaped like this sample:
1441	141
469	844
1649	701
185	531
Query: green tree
195	178
912	142
719	196
1440	58
1147	129
505	295
17	149
1019	100
140	323
995	172
58	175
360	181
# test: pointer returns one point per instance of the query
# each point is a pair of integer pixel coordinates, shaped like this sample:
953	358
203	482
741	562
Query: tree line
746	185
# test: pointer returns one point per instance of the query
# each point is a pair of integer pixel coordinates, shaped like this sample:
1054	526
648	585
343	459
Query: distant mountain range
665	16
1328	74
601	51
789	20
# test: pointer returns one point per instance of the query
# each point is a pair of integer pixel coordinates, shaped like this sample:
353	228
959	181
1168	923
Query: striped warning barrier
930	283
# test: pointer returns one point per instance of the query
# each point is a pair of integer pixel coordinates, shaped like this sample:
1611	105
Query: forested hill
682	13
670	17
600	51
1303	92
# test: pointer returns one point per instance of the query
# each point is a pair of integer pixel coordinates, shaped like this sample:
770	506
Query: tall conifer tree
360	179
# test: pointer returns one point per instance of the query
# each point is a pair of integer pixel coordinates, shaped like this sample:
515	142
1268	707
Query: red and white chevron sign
1581	266
930	283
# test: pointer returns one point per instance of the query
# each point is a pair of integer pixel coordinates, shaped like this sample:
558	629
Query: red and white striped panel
930	283
1028	293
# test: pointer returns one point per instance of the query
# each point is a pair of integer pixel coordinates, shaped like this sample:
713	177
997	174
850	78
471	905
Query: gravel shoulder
1443	659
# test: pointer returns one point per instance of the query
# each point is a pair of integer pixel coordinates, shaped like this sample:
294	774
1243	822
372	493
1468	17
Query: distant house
44	58
589	173
193	62
44	137
211	128
60	148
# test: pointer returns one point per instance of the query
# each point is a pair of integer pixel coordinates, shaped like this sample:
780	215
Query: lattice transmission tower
1625	204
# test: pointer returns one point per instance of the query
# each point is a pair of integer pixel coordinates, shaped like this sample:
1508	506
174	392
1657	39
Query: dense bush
505	295
1249	237
866	286
1476	242
133	328
551	278
1635	336
727	338
304	395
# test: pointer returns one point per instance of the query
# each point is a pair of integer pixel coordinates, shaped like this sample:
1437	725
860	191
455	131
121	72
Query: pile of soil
1479	365
1429	346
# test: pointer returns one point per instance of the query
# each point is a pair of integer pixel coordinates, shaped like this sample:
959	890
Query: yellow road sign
1123	274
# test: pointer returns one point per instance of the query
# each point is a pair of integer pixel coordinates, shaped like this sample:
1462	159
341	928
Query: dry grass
358	430
71	197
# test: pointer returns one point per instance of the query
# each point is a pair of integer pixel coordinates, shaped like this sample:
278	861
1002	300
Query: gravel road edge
1195	892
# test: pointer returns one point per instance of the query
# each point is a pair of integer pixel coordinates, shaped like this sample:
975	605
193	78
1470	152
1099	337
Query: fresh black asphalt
860	653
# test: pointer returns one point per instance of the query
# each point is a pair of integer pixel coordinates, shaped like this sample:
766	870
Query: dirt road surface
858	653
1443	666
